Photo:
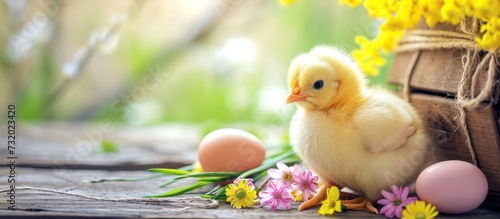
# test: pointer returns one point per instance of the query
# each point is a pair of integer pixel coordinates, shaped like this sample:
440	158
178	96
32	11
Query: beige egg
230	150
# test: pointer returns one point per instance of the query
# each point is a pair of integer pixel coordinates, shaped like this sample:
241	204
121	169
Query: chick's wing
384	122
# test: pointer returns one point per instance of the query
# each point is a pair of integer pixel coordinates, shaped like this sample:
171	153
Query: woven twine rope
468	98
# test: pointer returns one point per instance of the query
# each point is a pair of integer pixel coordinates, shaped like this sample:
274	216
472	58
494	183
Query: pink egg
453	186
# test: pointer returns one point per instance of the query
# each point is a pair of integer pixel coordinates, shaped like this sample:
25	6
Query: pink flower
249	181
277	194
395	201
305	182
284	172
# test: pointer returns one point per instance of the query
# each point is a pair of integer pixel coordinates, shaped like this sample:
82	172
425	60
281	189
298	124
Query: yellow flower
420	210
197	168
482	9
452	11
377	8
297	195
368	55
491	34
387	40
400	15
351	3
286	2
332	203
241	195
431	10
408	14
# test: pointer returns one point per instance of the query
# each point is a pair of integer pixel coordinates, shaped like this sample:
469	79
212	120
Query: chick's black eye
318	84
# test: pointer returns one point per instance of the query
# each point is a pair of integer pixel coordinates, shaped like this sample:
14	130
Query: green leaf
268	164
214	190
186	174
168	182
218	192
221	193
169	171
180	191
207	196
122	179
213	179
260	175
287	156
108	146
209	174
344	208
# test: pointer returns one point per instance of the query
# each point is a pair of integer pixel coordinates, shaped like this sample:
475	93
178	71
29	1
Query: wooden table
55	171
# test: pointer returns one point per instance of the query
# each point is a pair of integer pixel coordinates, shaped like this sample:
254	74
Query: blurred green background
151	62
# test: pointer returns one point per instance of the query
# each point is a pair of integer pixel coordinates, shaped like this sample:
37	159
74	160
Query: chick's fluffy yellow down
366	139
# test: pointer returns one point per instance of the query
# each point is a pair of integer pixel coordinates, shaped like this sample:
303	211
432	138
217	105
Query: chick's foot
360	203
318	198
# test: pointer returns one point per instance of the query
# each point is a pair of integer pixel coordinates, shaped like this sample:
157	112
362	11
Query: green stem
210	174
100	180
169	171
168	183
180	191
271	163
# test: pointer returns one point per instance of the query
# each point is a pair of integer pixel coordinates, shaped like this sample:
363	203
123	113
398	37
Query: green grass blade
268	164
180	191
210	174
213	179
211	192
122	179
220	193
169	171
260	175
168	182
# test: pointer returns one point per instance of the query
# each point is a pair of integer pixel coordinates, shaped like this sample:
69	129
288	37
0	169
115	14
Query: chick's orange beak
295	95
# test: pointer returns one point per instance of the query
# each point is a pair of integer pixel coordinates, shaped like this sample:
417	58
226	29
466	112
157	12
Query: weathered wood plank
486	145
39	203
439	114
442	118
76	146
430	73
438	71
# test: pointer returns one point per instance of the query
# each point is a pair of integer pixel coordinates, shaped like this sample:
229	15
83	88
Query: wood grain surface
68	191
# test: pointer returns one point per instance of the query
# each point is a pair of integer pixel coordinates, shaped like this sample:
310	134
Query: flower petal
274	204
390	211
395	190
266	200
434	214
398	211
326	210
338	206
275	173
409	200
332	194
385	209
296	168
404	193
420	205
384	202
263	193
282	166
388	195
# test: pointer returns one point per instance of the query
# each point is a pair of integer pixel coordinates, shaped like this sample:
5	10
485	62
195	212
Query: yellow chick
350	135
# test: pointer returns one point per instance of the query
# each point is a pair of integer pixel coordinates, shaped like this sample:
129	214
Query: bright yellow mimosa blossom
401	15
